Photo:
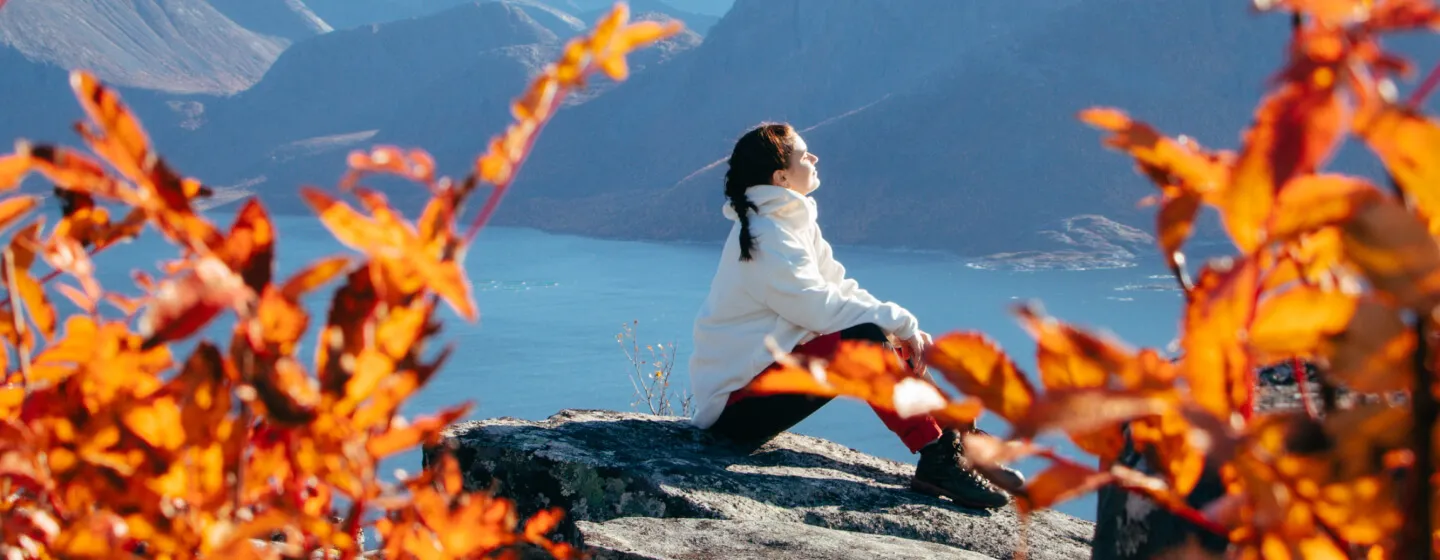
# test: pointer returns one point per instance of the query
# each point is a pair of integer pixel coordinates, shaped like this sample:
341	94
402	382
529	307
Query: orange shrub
114	446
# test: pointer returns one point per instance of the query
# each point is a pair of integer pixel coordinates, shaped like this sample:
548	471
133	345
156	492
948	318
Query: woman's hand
915	349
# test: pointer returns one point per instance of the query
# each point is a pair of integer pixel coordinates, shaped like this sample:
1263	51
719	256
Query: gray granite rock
603	465
650	538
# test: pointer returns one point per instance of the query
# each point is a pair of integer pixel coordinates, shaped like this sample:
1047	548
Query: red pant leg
915	432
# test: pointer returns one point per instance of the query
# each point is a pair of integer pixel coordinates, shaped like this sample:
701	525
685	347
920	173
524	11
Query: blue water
552	305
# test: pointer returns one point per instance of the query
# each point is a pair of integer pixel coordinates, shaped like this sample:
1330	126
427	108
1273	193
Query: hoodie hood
777	203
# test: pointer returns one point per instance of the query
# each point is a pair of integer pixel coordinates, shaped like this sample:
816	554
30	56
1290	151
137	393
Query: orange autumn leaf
119	139
349	226
976	367
157	423
13	168
1407	141
862	370
1397	254
313	276
1215	364
795	381
1330	12
1295	322
36	303
73	171
414	165
1071	358
1176	218
1295	130
1168	435
1311	202
399	438
1373	352
1058	483
1091	416
542	522
12	209
1164	160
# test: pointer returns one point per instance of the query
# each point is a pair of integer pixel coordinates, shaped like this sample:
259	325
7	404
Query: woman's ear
778	178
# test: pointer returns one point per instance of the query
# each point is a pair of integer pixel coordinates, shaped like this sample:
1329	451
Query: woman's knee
864	331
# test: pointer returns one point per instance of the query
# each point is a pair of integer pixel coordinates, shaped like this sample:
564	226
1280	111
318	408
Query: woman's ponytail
742	206
757	156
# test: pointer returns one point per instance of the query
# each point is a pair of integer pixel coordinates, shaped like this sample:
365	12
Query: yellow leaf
157	422
1296	321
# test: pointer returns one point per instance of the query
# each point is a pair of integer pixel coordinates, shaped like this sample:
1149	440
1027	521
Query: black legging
756	420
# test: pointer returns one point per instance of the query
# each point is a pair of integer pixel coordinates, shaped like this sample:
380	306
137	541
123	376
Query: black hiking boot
1009	477
944	471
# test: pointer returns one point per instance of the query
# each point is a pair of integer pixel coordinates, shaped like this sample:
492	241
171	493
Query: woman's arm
835	272
785	275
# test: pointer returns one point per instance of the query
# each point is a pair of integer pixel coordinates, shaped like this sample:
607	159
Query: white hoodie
793	289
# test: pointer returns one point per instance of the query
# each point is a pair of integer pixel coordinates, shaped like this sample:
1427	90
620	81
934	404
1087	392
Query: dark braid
742	204
757	156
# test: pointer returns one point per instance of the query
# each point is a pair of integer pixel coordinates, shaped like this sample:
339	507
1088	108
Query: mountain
940	125
711	8
346	14
803	61
176	46
649	9
287	19
444	82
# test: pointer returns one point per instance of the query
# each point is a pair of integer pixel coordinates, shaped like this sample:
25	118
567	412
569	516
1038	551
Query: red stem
5	304
1185	512
1298	368
1426	86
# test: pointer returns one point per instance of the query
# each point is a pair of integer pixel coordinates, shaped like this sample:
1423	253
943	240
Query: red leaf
250	247
183	306
1296	129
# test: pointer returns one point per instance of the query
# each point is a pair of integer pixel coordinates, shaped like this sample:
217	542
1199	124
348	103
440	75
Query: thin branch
17	320
1297	367
1417	98
1423	409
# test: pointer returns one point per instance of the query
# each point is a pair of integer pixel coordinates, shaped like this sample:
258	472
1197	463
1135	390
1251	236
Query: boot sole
936	491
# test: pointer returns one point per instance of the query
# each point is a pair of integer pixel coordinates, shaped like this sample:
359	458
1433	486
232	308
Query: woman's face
801	176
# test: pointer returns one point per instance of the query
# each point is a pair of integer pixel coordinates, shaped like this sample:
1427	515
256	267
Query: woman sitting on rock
777	278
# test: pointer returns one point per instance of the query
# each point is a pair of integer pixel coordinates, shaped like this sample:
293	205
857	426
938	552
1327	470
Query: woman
777	278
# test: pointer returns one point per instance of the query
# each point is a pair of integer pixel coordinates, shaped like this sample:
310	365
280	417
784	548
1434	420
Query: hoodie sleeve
832	270
785	275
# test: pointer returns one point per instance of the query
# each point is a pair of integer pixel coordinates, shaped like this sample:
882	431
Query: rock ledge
638	486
